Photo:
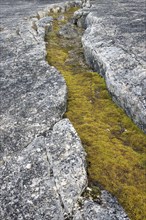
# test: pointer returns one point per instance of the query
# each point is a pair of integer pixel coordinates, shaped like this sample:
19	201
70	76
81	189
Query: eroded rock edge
45	179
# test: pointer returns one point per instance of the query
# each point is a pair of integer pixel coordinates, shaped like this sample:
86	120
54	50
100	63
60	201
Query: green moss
115	146
92	192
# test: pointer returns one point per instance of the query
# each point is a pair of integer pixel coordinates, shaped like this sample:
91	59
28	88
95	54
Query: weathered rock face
68	31
68	163
34	94
35	184
43	171
114	46
107	209
45	179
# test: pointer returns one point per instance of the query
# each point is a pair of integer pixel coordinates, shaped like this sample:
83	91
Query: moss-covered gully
115	146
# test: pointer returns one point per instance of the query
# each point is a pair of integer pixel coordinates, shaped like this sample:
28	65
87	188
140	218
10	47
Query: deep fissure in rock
115	146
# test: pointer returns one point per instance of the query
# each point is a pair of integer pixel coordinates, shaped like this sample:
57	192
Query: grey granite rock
33	99
114	45
45	179
80	18
68	31
108	209
67	158
33	94
27	188
43	170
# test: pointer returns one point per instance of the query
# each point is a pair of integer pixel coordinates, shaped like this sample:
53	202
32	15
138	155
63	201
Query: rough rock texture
107	209
45	179
68	163
43	172
114	45
33	93
68	31
34	183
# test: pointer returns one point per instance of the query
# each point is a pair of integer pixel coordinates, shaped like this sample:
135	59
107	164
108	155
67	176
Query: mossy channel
115	146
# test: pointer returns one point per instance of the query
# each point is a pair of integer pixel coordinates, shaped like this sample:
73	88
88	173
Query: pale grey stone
108	209
28	190
43	169
68	31
33	94
45	179
114	46
68	163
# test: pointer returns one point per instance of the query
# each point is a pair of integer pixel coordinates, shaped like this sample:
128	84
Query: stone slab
114	45
43	169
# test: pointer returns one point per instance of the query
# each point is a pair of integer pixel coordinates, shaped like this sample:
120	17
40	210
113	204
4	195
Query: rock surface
33	93
43	170
114	45
46	178
107	209
68	31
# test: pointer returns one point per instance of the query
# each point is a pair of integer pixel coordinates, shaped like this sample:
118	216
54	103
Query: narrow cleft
115	146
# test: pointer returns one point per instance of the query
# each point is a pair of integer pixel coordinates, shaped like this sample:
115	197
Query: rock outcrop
43	169
46	178
107	209
114	45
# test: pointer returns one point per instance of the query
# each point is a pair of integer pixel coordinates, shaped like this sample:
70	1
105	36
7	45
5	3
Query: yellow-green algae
115	146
